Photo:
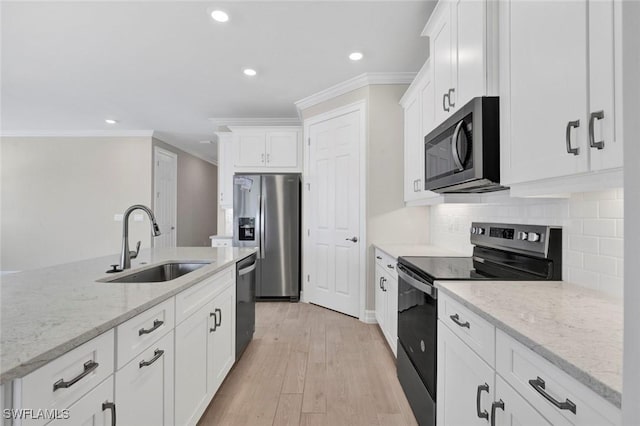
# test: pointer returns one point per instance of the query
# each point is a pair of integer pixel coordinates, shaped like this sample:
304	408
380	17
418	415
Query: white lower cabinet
221	342
144	387
465	382
509	408
386	297
205	352
517	387
96	408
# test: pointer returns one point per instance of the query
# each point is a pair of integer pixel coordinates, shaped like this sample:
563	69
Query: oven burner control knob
480	231
522	236
533	237
474	230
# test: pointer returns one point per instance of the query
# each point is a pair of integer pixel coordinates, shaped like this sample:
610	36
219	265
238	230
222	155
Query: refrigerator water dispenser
247	228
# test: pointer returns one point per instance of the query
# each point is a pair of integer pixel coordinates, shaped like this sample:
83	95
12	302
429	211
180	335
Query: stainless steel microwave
463	153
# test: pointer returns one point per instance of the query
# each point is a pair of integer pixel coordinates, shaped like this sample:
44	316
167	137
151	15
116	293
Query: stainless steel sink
160	273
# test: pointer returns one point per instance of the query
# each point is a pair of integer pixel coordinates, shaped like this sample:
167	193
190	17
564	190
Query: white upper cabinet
560	106
270	149
462	41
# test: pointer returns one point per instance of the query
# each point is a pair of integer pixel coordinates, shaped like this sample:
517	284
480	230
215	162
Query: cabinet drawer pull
598	115
390	266
456	318
156	324
481	414
156	355
497	404
539	385
379	257
570	125
110	406
89	366
218	320
444	106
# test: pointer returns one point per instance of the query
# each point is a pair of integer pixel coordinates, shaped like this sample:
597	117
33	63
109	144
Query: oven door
417	325
449	155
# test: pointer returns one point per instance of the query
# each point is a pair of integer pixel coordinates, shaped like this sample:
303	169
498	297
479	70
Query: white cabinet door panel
221	346
548	88
391	322
412	144
443	55
470	53
144	387
249	149
282	149
604	47
460	374
90	410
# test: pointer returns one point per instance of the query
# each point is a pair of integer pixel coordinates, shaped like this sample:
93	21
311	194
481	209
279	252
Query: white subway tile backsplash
593	227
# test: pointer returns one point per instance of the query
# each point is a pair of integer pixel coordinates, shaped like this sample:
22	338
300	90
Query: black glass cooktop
445	268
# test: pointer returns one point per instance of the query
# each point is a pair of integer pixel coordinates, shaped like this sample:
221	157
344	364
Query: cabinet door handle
539	385
156	324
481	414
110	406
156	355
497	404
378	257
444	106
215	321
598	115
383	281
456	318
449	93
572	124
268	158
262	158
89	366
218	312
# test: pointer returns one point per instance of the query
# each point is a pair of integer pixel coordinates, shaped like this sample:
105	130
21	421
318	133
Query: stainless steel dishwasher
245	302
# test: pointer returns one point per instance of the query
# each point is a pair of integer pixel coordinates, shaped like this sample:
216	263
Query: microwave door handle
454	147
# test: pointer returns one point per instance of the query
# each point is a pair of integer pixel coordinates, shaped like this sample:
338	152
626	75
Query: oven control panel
516	237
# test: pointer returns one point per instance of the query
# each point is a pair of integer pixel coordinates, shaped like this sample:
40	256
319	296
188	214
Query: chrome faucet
126	255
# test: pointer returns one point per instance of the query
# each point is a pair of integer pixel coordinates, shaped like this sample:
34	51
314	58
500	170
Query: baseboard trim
369	317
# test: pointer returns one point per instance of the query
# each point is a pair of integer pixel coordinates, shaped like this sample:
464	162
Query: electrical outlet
118	217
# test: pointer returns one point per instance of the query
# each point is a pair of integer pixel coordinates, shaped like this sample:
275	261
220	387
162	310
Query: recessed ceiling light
250	72
110	121
220	16
356	56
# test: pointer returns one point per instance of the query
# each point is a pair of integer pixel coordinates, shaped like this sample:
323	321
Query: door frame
361	107
157	150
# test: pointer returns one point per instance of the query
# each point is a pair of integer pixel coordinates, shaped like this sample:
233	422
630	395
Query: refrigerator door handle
262	233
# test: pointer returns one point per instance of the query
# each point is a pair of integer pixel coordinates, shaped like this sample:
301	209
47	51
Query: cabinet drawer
66	379
142	330
476	332
192	299
517	364
387	262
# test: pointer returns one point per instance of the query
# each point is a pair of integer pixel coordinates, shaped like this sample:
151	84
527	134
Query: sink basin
160	273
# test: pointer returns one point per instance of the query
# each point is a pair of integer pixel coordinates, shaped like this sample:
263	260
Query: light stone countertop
398	250
220	237
577	329
47	312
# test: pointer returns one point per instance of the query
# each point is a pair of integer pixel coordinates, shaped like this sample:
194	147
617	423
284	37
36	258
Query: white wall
592	247
631	111
59	197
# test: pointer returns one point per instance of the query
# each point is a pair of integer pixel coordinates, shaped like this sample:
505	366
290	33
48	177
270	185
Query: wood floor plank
311	366
289	410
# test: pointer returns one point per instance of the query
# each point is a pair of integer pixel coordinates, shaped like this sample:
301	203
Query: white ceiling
168	67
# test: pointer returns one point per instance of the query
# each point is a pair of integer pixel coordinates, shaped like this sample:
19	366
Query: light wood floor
311	366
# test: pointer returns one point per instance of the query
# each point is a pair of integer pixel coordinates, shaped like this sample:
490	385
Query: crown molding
362	80
75	134
254	121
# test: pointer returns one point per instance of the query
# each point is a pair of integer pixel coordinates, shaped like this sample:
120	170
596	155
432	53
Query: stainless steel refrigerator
266	215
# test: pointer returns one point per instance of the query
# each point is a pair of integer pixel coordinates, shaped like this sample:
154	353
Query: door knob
352	239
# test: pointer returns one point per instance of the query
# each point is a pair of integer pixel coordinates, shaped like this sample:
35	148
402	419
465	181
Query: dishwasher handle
245	271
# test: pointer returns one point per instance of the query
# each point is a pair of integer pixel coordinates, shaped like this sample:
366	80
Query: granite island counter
47	312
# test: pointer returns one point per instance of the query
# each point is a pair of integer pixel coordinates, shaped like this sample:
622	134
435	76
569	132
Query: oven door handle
413	282
454	147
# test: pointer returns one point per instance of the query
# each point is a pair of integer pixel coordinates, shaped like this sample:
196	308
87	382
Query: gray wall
197	198
60	195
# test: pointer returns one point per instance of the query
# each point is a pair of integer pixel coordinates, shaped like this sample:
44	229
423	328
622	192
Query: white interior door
166	193
334	219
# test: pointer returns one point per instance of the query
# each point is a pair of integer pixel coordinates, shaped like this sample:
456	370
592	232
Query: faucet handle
134	254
